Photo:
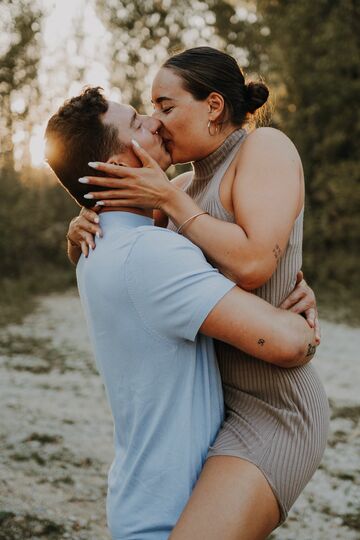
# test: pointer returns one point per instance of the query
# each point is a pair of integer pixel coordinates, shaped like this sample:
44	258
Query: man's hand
303	300
83	229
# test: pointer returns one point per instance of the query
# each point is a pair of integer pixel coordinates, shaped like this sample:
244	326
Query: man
152	303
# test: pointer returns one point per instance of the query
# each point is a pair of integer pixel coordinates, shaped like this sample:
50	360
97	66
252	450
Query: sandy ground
56	434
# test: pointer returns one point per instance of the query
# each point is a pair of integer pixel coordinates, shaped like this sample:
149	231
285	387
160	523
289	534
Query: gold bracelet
190	219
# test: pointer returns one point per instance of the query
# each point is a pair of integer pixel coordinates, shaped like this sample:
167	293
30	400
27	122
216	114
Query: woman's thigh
231	501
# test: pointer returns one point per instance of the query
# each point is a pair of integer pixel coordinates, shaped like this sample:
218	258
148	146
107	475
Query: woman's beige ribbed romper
275	418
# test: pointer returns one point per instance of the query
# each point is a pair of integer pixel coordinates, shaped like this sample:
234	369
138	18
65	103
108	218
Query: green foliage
314	50
34	214
33	211
33	220
19	59
145	32
142	33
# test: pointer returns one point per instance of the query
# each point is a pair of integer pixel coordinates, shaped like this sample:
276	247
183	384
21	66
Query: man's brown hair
76	135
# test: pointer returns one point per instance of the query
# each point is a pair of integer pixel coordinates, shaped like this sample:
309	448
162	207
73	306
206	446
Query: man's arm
178	293
249	323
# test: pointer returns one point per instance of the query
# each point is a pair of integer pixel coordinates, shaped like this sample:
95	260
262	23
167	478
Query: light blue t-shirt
145	292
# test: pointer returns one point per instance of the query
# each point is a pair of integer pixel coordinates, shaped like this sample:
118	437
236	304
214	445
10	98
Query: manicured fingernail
93	164
88	196
100	203
135	143
90	246
96	219
83	180
98	234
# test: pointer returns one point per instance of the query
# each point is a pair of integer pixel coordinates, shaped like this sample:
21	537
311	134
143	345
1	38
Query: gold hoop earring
212	133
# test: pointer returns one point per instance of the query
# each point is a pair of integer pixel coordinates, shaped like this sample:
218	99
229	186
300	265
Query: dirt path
56	434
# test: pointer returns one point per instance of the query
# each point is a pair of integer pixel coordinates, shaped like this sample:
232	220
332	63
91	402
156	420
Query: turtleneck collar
205	168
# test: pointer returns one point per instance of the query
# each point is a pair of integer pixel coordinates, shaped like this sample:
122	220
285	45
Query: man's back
146	292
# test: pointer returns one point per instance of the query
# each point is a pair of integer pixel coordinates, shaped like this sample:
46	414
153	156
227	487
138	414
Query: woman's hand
303	300
144	187
83	229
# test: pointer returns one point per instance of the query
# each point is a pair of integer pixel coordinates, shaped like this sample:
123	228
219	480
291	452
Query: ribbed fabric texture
275	418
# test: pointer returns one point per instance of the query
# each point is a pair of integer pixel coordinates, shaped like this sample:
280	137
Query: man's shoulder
147	239
170	283
162	253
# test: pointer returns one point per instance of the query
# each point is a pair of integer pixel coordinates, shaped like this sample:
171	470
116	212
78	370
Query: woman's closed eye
167	110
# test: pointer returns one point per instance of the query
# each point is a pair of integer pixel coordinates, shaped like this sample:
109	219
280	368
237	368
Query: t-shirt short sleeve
171	285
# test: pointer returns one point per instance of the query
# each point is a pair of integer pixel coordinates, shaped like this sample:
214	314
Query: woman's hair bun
256	94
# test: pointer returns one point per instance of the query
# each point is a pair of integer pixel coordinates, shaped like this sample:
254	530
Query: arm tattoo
277	252
311	350
261	342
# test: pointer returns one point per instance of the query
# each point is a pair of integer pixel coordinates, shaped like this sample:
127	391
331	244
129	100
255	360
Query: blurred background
307	52
55	427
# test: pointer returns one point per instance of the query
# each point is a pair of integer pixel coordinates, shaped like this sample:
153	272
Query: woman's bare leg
231	501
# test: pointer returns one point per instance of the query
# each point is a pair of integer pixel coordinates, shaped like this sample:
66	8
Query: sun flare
37	150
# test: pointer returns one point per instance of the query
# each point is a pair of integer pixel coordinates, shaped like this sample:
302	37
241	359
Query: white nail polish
100	203
88	196
97	234
97	220
135	143
84	180
93	164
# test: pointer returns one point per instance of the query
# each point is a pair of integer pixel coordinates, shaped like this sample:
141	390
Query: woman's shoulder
269	139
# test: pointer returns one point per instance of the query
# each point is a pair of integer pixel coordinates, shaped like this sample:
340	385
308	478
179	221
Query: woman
243	206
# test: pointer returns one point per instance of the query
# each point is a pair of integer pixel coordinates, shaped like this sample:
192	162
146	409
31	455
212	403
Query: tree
19	58
313	53
144	33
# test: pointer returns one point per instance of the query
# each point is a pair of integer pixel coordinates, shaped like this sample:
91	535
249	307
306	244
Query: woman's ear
216	105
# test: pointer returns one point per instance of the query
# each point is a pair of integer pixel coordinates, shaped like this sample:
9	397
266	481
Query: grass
349	412
35	355
352	520
335	278
19	296
339	304
19	527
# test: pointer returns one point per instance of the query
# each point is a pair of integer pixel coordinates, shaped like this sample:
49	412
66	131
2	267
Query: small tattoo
311	350
261	342
277	252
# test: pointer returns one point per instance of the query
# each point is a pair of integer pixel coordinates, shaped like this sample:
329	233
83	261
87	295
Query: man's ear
117	160
126	160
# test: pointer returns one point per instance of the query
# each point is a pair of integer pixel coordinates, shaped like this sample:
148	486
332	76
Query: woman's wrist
178	205
168	194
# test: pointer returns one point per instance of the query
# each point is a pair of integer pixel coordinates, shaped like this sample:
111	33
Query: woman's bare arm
267	195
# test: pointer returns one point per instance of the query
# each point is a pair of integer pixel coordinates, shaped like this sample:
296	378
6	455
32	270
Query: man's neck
131	210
